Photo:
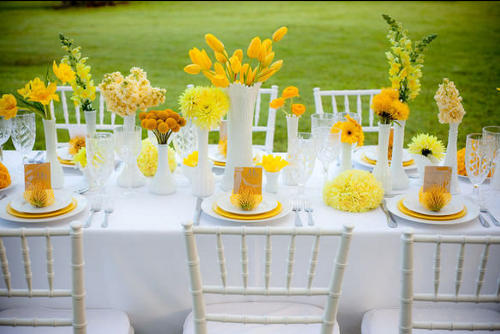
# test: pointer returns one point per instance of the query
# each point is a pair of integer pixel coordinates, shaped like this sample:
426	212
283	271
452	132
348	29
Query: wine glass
128	147
478	155
327	145
492	134
100	158
23	135
5	129
304	155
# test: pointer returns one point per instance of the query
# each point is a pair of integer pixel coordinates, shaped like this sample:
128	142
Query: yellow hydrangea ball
147	161
353	191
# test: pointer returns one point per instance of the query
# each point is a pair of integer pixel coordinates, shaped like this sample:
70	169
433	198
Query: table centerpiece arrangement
242	80
351	133
272	165
427	150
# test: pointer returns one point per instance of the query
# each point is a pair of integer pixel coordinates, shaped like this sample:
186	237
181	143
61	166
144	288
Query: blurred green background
332	45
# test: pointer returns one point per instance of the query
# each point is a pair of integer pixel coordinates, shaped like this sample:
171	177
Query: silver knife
483	221
390	221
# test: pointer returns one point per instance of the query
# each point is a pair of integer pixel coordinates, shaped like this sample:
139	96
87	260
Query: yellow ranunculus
289	92
278	34
298	109
63	72
214	43
253	50
272	163
8	106
277	103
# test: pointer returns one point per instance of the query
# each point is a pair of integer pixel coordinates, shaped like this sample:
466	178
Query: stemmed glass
478	155
492	135
100	158
23	135
5	126
327	145
128	147
305	158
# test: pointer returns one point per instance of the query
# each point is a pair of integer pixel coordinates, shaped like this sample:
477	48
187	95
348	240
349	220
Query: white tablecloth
138	263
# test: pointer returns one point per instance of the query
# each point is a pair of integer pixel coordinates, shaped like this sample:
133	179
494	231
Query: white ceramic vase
163	182
239	130
56	171
400	180
292	128
202	180
346	160
90	121
450	159
272	182
382	171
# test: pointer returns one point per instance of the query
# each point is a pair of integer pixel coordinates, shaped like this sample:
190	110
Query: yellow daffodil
289	92
214	43
253	50
8	106
272	163
63	72
42	94
278	34
25	91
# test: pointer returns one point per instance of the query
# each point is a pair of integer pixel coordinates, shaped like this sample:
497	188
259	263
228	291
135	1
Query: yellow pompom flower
272	163
214	43
435	198
428	146
353	191
147	161
8	106
63	72
246	200
279	34
38	196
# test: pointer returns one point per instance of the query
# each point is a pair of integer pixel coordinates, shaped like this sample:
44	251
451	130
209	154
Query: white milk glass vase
400	180
202	180
382	171
272	182
239	130
163	182
450	159
56	171
90	121
292	128
346	161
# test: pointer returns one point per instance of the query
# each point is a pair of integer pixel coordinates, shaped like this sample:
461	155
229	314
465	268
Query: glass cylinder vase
400	180
56	171
450	159
382	171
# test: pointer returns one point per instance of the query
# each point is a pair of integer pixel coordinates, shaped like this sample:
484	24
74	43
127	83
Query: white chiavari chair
36	319
436	320
232	317
370	126
269	127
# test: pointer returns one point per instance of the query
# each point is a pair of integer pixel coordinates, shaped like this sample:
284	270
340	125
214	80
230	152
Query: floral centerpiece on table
272	165
427	150
147	161
351	133
451	111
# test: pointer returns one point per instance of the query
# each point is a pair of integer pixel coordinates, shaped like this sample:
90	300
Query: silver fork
390	221
95	207
493	219
296	208
308	208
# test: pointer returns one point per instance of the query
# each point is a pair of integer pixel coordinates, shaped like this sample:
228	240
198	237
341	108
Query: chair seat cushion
98	321
386	321
260	308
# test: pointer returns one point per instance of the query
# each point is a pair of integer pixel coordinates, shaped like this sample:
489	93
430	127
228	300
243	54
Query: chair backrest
72	115
408	296
269	127
77	293
367	126
333	291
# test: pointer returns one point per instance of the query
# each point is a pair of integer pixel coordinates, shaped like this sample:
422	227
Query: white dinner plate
81	205
63	198
207	208
412	203
472	213
357	158
63	153
268	203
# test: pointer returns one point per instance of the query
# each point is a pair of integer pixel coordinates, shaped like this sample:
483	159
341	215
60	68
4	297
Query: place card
248	178
440	175
37	173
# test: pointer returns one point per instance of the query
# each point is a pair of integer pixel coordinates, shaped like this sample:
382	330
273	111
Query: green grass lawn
332	45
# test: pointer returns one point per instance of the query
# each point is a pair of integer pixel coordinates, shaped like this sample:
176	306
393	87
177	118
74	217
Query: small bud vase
90	121
346	162
400	180
163	182
450	159
202	180
272	182
292	128
56	171
382	171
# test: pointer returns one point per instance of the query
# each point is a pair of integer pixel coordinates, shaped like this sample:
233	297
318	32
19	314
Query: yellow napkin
66	162
236	216
374	162
59	212
408	212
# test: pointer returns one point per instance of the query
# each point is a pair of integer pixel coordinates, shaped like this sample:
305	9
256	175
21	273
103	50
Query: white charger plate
412	203
81	205
357	158
472	213
268	203
63	198
207	208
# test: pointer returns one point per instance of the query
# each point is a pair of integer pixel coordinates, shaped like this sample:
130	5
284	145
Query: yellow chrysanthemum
8	106
427	145
353	191
449	102
272	163
147	161
204	105
388	107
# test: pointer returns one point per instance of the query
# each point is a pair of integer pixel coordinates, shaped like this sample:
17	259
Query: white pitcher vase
239	130
450	159
56	171
382	171
163	182
400	180
202	180
292	128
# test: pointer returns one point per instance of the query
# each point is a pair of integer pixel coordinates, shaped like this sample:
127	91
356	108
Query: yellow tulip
8	106
219	69
268	60
238	53
206	63
220	57
220	81
194	55
251	76
214	43
264	77
267	44
277	65
192	69
254	48
278	34
235	64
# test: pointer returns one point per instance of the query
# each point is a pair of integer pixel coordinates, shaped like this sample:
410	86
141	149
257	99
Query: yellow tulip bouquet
228	69
286	102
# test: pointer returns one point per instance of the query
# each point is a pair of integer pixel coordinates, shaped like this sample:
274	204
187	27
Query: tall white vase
450	159
90	121
346	162
163	182
129	122
400	180
382	171
202	181
239	130
56	171
292	128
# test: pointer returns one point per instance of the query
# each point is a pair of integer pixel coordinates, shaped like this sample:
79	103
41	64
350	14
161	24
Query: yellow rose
290	92
8	106
278	34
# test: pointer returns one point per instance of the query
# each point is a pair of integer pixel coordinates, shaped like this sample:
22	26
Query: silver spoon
107	211
96	207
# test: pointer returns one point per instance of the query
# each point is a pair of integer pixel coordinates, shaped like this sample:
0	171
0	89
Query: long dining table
138	263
